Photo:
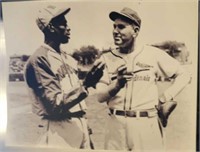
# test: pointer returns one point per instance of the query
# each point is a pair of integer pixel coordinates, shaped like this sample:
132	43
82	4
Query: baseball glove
94	75
164	110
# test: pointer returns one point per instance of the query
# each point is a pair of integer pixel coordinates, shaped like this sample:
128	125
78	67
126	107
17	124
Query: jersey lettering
141	78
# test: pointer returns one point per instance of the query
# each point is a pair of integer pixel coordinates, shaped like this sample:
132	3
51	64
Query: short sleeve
167	65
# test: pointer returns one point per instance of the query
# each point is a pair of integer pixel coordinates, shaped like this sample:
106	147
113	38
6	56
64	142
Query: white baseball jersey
147	63
139	94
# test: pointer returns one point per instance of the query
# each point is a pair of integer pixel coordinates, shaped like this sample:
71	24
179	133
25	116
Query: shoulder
152	49
40	55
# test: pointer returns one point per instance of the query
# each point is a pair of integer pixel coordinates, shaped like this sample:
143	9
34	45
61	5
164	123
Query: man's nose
115	30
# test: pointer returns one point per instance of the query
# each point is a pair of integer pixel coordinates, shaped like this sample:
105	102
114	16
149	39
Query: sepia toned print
101	75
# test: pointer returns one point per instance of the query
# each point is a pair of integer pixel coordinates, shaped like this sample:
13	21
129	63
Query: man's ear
51	28
136	30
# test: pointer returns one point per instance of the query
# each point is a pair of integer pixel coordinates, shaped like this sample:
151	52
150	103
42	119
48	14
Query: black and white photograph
101	75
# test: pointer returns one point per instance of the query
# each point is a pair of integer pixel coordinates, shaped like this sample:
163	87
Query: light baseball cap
45	15
126	13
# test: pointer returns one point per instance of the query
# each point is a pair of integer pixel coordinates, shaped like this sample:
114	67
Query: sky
90	24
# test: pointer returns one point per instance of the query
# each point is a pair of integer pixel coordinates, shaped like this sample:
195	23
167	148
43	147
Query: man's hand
94	75
123	76
164	110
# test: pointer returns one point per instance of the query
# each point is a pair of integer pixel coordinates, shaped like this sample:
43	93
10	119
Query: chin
65	41
118	44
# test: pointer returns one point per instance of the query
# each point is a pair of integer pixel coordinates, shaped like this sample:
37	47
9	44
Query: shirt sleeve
170	67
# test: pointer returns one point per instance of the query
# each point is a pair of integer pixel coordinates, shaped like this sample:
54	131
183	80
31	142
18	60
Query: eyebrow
119	25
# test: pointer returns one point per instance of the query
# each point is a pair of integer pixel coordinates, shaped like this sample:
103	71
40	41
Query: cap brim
62	12
114	15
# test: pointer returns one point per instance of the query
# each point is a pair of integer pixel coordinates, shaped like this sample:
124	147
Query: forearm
74	97
58	102
183	78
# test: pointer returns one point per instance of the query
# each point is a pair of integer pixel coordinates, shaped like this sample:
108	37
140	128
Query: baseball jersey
147	63
52	79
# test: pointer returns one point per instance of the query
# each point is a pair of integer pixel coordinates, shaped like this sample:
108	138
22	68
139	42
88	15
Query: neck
127	49
54	45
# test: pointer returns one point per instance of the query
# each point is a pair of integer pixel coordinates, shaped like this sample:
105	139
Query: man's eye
120	26
62	27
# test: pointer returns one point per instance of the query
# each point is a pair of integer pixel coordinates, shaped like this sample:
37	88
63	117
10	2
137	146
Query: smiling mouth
117	38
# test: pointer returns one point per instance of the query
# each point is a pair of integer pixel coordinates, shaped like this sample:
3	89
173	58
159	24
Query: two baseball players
131	91
128	86
58	95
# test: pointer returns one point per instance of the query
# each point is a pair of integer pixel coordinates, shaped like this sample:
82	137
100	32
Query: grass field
22	124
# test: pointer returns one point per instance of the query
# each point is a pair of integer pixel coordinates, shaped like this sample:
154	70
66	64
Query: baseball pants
68	134
133	134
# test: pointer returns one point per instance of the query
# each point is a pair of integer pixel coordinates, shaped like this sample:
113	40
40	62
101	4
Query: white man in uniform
58	95
130	88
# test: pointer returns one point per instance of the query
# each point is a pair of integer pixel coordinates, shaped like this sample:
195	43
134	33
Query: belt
65	116
135	113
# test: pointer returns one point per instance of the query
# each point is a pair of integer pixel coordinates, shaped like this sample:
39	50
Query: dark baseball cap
126	13
45	15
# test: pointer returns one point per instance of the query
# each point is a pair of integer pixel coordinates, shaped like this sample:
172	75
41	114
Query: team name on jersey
141	77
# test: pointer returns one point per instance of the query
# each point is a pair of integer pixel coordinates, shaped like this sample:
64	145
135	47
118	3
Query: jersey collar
138	50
